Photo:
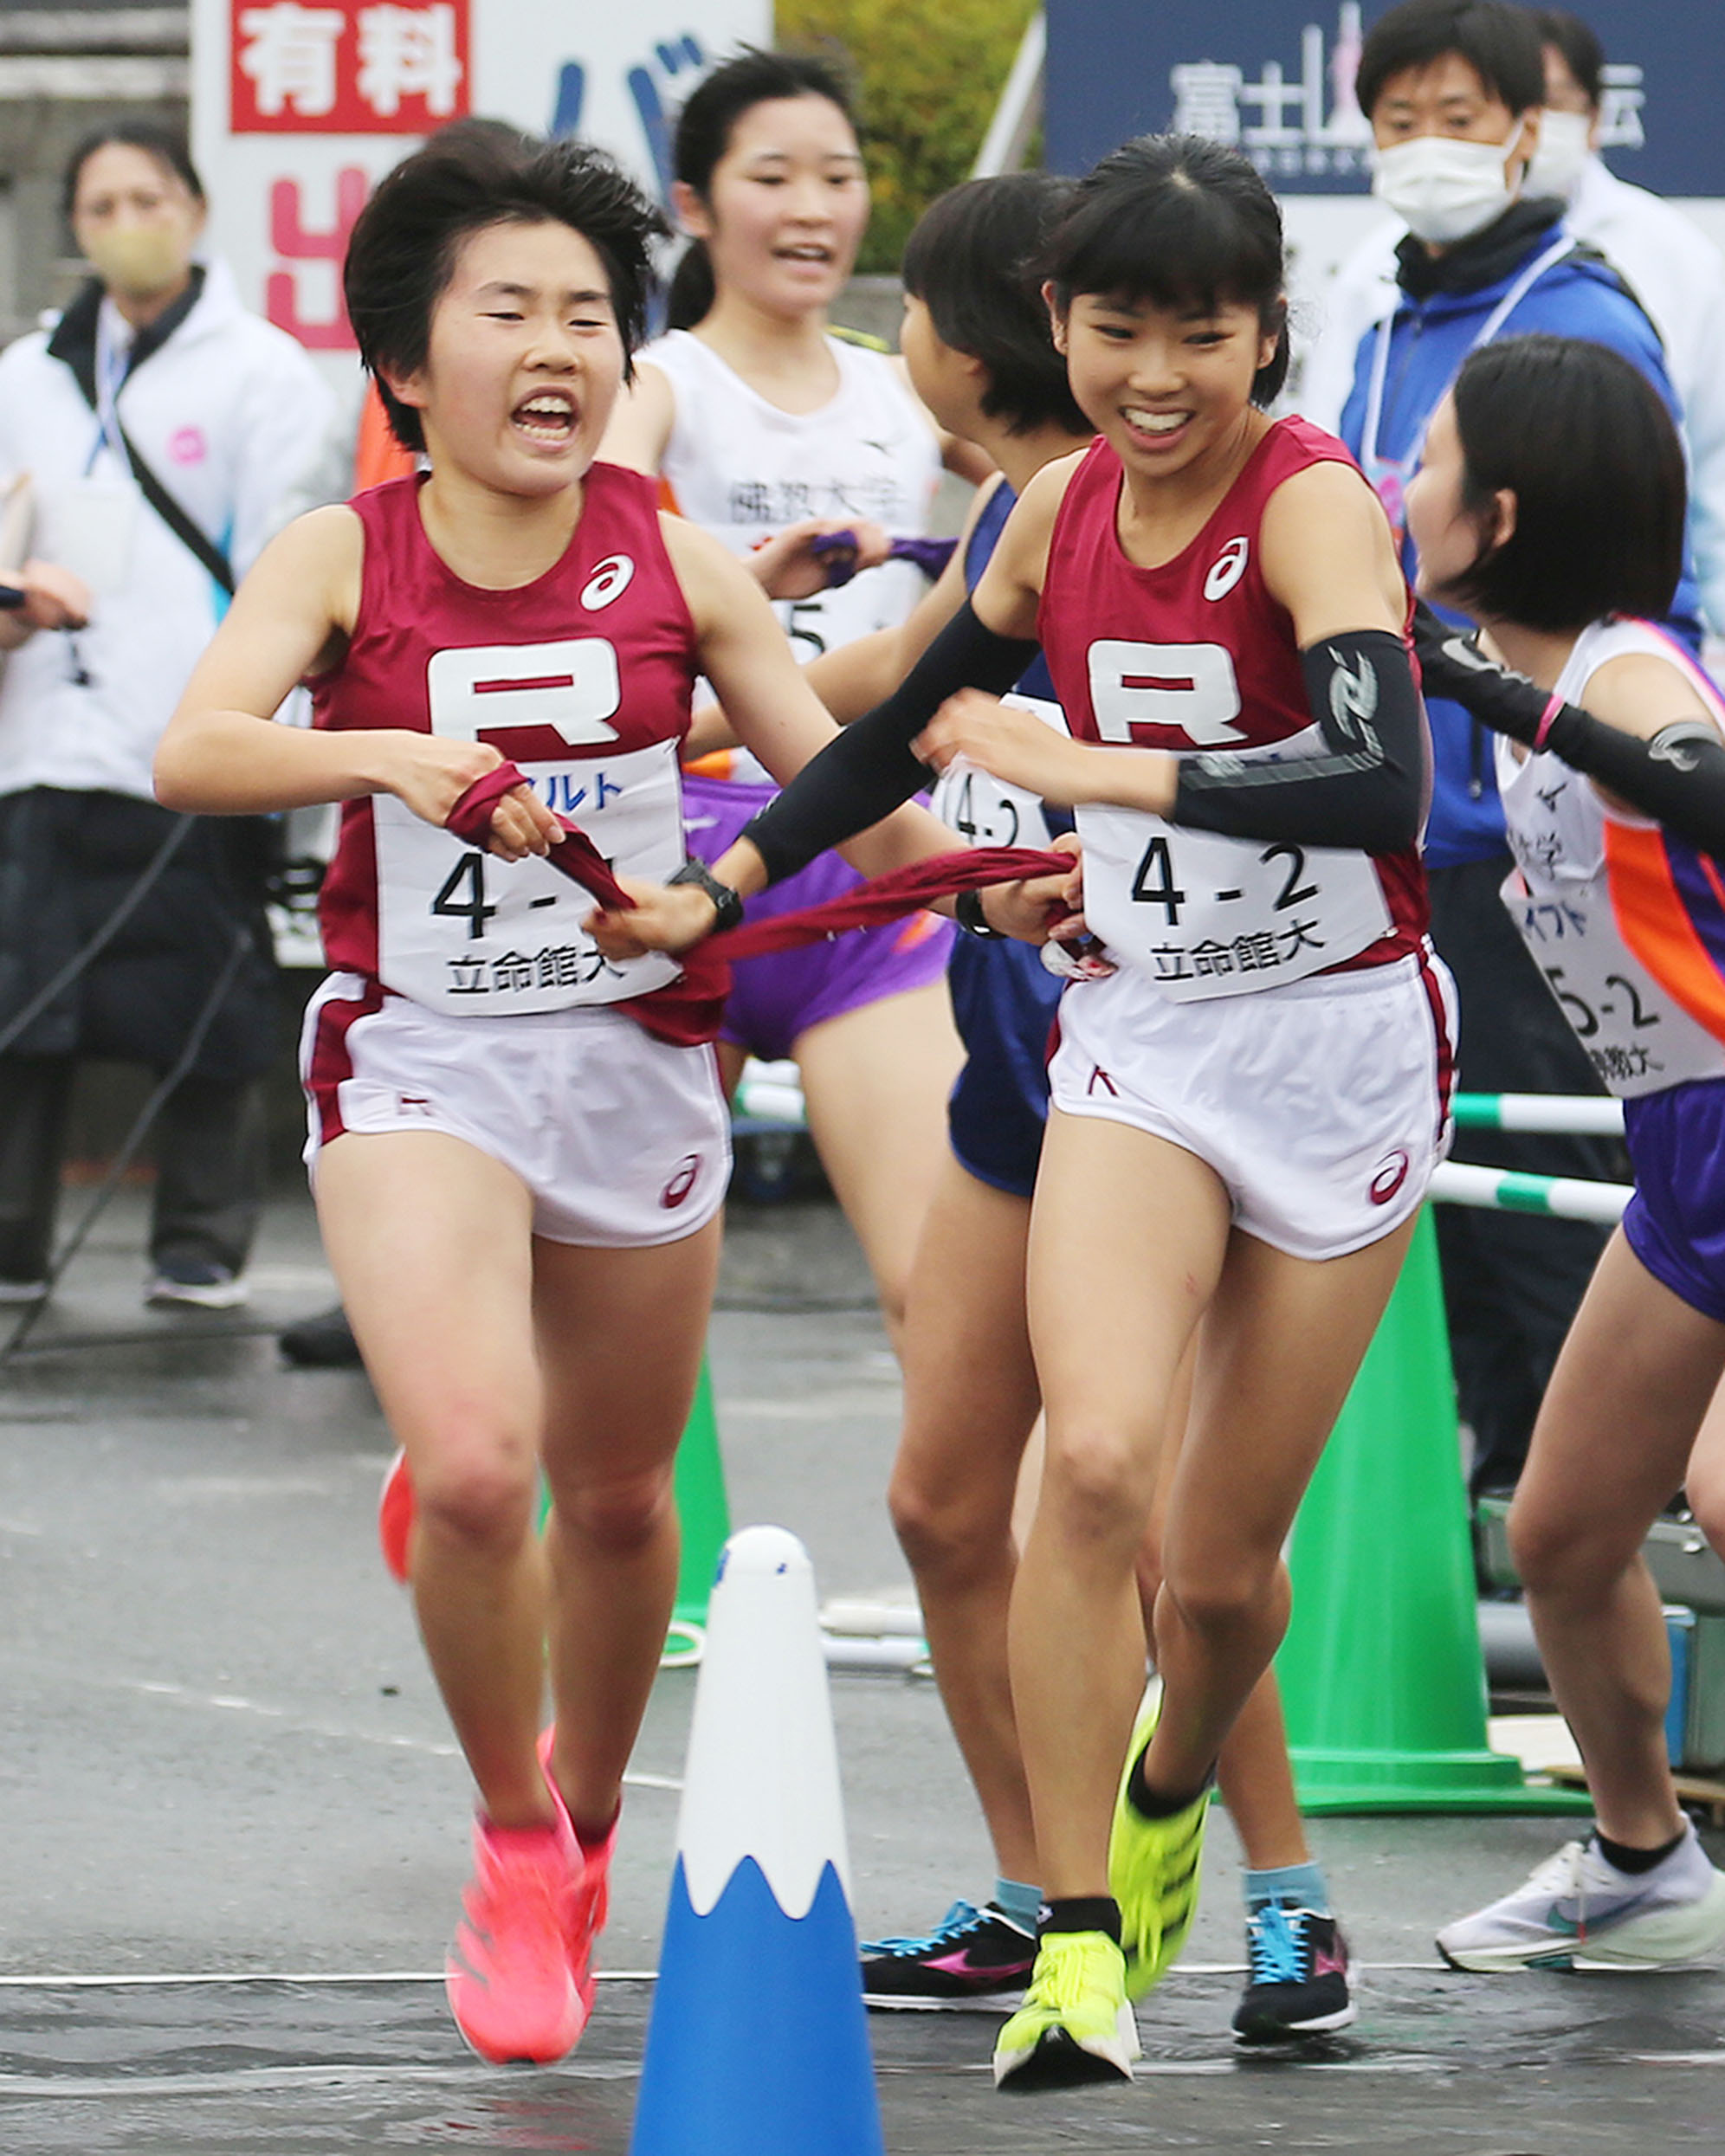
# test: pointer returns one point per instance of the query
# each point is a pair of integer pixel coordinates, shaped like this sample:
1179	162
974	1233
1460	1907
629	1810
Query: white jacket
1669	263
228	412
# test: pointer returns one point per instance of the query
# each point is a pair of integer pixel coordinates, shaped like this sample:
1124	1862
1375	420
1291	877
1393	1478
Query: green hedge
930	73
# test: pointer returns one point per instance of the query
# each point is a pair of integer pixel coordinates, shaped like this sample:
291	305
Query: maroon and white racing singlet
582	678
1195	657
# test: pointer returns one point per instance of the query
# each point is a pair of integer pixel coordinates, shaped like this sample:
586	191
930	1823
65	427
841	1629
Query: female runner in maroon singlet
520	1147
1250	1095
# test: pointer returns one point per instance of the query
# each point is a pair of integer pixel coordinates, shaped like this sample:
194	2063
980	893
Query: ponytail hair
705	125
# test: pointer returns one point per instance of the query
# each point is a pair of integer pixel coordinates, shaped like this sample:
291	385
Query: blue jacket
1430	336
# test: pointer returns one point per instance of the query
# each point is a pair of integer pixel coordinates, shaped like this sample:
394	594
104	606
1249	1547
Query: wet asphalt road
232	1820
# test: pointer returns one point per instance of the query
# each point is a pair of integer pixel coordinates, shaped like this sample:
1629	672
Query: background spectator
160	428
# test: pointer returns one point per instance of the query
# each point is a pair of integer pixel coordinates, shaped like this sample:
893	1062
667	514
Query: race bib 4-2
1203	915
461	930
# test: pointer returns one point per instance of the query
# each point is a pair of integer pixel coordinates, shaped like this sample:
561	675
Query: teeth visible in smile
1156	422
807	254
546	415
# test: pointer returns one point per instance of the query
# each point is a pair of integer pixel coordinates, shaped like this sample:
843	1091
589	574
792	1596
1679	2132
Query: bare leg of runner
875	1082
431	1241
971	1397
1637	1379
621	1335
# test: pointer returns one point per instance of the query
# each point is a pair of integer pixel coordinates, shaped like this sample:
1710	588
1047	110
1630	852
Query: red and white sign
347	67
301	106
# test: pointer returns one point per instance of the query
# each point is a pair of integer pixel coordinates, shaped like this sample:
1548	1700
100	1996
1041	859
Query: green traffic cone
702	1509
1383	1682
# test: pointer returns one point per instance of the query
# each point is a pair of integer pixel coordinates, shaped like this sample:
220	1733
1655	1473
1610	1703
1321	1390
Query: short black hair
971	261
1592	456
705	125
470	175
1583	53
1499	43
166	144
1178	221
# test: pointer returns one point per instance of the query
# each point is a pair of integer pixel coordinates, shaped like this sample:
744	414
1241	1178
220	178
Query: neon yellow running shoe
1154	1869
1075	2025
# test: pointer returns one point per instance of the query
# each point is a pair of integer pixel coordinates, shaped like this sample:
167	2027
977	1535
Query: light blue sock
1297	1886
1020	1902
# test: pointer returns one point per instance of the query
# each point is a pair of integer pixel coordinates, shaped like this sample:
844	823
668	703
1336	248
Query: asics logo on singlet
609	581
1353	694
1226	571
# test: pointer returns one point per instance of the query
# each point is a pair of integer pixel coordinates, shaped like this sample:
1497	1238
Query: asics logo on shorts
1226	571
1099	1076
609	581
1389	1178
681	1183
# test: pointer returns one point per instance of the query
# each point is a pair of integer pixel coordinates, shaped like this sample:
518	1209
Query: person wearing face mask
157	432
1672	267
1454	91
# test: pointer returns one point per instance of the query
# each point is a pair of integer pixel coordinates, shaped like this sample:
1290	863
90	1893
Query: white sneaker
1579	1912
199	1286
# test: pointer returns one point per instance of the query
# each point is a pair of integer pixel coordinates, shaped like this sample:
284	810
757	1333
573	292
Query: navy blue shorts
1676	1222
1003	1000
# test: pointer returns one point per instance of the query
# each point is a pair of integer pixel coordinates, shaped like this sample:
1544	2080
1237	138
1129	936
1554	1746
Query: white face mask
1561	155
1445	190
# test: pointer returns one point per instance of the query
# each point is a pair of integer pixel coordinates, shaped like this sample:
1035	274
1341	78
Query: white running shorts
624	1141
1322	1106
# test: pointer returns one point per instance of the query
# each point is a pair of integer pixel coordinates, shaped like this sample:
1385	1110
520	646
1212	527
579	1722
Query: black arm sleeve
1678	777
1365	788
869	770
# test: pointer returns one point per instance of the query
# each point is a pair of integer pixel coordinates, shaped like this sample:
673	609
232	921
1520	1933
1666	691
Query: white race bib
461	930
986	811
1202	915
1636	1035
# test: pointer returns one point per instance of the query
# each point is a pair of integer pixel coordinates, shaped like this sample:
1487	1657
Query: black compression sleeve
1365	788
1678	777
869	770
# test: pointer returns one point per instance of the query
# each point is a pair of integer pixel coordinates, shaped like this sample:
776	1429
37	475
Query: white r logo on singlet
1190	687
572	686
1227	569
609	581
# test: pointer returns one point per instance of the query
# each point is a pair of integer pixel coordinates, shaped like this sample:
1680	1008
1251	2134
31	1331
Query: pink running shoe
591	1903
395	1516
511	1986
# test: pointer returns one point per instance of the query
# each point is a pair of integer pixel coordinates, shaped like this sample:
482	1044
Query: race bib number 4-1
461	930
1203	915
986	811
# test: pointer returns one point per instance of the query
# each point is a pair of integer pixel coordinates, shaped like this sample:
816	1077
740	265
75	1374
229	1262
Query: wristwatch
968	913
727	905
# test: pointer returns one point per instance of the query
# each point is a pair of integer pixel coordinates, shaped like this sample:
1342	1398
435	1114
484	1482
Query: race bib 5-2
1635	1033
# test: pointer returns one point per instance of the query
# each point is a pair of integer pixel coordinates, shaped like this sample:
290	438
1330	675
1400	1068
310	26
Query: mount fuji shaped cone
758	2043
1382	1678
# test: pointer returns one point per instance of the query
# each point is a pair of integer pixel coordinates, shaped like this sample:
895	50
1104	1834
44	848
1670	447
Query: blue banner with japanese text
1275	77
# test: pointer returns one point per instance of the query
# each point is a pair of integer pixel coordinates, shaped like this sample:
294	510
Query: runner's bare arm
641	422
223	755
